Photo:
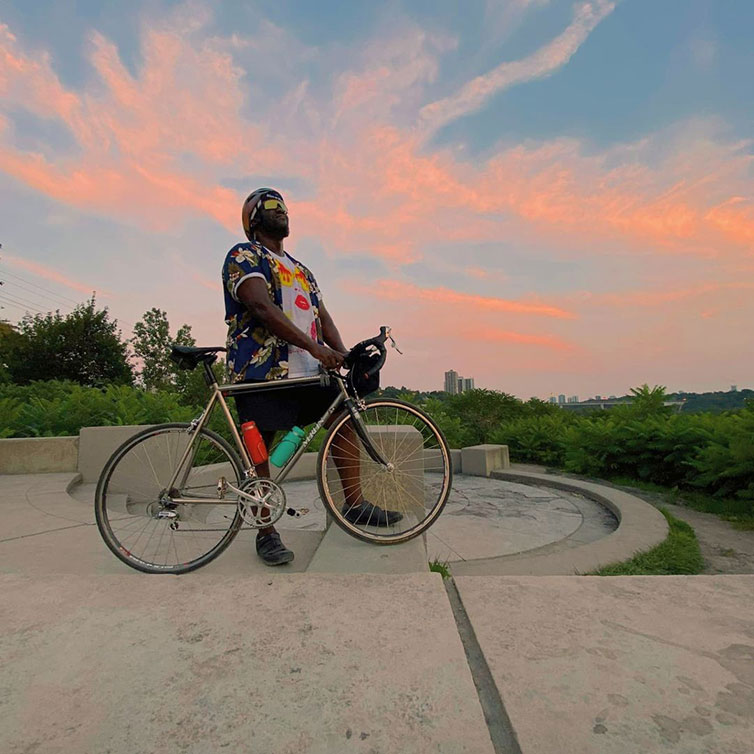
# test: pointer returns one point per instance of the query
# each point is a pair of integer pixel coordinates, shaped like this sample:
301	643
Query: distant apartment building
552	399
451	382
561	398
573	399
455	384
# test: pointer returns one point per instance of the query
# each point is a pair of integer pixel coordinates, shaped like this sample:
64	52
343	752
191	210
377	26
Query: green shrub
656	449
535	439
725	465
57	408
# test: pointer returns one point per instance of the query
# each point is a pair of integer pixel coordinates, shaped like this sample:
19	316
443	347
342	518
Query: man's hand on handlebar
327	357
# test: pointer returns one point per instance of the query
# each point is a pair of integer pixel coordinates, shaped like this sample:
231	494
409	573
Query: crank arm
248	498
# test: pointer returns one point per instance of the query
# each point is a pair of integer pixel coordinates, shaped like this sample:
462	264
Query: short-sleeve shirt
254	353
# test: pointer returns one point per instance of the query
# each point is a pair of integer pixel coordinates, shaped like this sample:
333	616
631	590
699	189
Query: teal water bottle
287	447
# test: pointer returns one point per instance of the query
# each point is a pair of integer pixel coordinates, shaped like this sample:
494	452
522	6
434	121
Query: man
279	328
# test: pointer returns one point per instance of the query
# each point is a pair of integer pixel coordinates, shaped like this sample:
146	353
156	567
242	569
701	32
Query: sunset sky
549	196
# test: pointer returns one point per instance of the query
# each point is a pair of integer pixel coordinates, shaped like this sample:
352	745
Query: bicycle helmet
250	216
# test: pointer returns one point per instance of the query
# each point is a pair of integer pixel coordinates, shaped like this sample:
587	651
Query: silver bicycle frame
218	393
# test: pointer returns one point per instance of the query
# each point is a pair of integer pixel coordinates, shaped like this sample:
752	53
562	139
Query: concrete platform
491	518
285	664
342	553
46	531
620	665
237	657
489	526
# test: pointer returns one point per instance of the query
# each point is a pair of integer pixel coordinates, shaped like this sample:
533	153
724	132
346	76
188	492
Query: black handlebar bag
360	379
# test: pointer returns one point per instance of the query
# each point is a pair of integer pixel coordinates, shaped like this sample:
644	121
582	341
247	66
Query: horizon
551	192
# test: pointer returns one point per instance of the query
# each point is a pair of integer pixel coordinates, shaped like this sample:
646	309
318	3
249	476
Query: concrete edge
640	527
74	481
39	455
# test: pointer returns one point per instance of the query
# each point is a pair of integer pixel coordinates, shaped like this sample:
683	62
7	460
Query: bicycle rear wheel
134	510
416	483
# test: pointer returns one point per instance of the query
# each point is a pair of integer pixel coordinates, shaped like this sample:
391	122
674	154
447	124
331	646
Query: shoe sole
277	563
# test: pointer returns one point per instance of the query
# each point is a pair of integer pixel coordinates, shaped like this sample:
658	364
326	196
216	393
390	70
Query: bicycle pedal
297	513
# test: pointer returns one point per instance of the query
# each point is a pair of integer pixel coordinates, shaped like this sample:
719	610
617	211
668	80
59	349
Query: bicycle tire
140	509
414	468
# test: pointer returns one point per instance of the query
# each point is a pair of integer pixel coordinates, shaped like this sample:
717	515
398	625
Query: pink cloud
393	290
495	335
160	145
154	146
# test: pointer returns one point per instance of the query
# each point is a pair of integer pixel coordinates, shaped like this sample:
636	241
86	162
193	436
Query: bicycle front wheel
415	480
133	505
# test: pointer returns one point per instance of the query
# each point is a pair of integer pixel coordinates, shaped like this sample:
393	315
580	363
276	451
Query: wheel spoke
129	499
405	437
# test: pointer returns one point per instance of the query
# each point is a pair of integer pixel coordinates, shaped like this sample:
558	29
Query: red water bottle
254	443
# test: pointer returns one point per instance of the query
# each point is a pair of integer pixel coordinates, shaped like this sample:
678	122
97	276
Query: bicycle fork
361	431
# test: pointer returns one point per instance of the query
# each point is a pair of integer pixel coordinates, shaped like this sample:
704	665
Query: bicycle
174	496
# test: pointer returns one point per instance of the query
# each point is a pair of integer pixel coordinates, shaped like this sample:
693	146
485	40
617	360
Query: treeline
713	402
61	373
643	440
695	403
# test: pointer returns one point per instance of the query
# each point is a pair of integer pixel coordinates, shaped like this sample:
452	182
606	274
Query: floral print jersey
254	353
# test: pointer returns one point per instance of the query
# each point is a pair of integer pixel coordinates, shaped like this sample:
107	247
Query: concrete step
315	664
341	553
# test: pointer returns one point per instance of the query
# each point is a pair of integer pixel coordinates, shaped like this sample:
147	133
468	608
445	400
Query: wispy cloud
159	143
396	290
539	64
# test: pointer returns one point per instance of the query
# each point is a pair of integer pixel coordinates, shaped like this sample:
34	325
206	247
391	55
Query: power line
57	300
20	300
40	287
19	304
37	290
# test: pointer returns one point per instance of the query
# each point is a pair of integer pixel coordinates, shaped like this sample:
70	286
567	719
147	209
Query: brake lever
392	341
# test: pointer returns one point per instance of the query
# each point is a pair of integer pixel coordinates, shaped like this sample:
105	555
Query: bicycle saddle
189	357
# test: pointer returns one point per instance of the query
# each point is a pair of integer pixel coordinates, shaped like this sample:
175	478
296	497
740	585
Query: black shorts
283	408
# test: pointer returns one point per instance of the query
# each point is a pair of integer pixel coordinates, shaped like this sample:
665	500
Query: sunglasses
274	204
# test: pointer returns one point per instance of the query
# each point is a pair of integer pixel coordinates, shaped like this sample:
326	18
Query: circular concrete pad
488	518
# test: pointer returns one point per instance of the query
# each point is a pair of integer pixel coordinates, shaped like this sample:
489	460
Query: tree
9	337
482	411
647	401
151	344
84	346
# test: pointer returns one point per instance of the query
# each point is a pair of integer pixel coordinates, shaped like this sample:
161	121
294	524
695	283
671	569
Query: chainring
272	499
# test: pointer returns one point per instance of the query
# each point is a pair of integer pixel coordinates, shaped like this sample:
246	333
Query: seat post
209	375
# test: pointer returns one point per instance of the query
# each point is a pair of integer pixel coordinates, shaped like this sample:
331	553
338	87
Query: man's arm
329	331
253	294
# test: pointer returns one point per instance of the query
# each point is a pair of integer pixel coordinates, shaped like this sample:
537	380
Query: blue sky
551	196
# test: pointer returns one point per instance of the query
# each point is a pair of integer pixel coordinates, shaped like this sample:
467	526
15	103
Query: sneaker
272	551
366	513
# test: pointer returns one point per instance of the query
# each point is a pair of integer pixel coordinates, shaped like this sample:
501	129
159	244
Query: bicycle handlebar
377	342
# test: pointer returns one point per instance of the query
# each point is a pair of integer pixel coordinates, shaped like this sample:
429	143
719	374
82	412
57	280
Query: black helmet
250	210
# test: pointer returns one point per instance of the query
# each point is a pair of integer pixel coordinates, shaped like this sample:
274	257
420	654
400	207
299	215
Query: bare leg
263	470
347	458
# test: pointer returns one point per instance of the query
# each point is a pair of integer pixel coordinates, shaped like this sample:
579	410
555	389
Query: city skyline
549	192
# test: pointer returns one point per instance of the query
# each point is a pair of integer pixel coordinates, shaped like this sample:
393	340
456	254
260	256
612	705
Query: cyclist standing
279	328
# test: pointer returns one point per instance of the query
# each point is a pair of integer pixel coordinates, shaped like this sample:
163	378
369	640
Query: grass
740	512
436	566
678	554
